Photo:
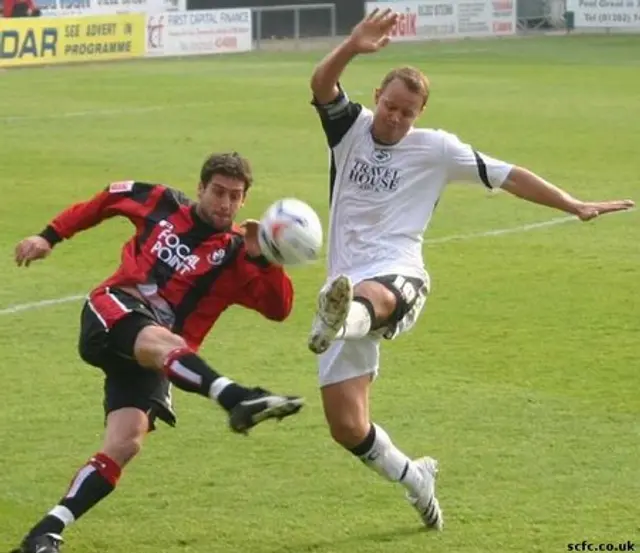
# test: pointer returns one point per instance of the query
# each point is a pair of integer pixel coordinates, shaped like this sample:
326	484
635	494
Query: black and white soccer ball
290	233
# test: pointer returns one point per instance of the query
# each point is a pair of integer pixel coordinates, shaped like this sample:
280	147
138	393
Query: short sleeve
464	163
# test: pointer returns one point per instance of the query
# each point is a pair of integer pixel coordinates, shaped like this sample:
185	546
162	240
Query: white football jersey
382	197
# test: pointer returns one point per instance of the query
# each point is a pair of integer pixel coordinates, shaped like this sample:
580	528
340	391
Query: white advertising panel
68	8
435	19
199	32
605	13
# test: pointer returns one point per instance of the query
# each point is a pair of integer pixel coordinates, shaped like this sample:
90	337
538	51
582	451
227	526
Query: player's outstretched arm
370	35
75	218
529	186
127	198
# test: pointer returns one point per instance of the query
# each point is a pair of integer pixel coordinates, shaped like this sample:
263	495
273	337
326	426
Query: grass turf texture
521	377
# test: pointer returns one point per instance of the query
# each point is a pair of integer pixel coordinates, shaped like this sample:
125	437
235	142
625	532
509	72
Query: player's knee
384	302
126	430
153	344
346	411
124	449
348	431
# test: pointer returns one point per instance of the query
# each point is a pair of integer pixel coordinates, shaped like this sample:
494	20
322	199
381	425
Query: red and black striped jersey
188	270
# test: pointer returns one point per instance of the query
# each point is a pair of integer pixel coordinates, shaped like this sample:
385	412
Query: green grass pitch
521	377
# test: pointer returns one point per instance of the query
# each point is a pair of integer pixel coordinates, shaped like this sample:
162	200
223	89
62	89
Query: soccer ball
290	233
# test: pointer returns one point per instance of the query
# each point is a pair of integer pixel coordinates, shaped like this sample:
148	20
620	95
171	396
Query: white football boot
334	302
426	503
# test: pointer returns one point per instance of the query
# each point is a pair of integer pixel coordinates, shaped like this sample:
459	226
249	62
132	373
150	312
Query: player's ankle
227	393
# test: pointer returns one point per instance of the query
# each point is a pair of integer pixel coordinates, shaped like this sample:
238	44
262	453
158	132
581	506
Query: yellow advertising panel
33	41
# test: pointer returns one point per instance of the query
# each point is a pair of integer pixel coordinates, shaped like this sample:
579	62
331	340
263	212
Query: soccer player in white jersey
386	178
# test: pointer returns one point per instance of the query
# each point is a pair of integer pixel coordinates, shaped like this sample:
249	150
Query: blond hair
412	78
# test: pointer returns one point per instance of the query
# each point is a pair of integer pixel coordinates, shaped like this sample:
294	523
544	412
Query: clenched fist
31	249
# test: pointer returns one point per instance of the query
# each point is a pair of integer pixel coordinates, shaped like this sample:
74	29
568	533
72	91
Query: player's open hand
372	33
31	249
251	228
590	210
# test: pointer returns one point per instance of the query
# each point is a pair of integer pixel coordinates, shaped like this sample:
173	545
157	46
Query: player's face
397	109
220	200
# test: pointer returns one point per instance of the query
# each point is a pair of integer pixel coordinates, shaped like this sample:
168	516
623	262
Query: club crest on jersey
121	187
381	156
216	257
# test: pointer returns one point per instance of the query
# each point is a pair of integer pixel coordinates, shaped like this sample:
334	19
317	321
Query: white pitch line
98	112
38	304
133	110
12	309
87	113
502	231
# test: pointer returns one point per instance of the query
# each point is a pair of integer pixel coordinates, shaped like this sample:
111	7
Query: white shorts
347	359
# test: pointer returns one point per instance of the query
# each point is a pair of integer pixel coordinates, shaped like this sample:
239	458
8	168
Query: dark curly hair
231	165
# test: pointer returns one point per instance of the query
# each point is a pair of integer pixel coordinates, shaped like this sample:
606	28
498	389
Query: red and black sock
91	484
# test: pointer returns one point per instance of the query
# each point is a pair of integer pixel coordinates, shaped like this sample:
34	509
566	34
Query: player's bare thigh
383	300
154	342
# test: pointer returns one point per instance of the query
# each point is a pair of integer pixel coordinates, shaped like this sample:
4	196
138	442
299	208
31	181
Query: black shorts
106	341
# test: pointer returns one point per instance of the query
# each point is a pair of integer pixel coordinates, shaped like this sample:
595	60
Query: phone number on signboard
618	18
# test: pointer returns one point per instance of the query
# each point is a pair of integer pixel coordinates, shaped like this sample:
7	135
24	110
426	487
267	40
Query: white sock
388	461
63	514
358	323
218	386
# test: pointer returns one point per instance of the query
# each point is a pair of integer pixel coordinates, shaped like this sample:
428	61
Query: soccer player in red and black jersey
186	263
